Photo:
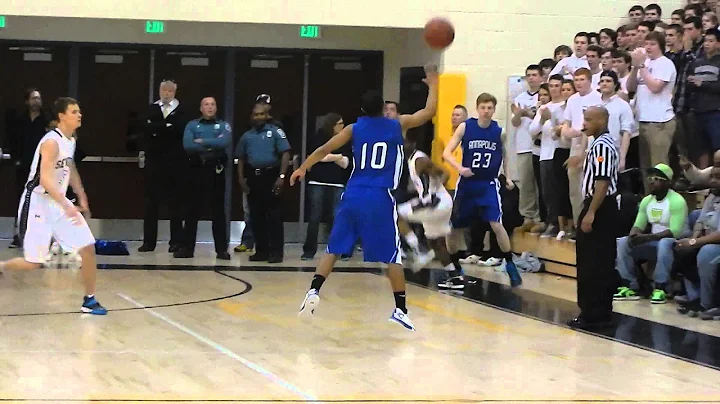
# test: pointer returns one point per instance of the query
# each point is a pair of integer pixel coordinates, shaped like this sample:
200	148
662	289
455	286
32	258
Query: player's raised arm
330	146
49	151
424	115
453	144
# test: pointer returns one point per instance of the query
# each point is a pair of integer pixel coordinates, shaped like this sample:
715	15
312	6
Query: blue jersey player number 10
367	210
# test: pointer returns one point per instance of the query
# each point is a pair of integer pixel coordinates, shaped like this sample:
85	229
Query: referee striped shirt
601	163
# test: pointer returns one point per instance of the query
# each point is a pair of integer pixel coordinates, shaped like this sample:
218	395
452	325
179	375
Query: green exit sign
2	21
309	31
154	27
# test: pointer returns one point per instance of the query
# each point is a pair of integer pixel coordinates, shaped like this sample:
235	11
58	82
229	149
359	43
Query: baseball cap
662	171
263	98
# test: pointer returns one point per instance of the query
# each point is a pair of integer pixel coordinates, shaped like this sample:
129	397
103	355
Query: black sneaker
692	308
455	283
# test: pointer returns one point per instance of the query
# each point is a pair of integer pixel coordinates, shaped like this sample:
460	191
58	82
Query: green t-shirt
669	213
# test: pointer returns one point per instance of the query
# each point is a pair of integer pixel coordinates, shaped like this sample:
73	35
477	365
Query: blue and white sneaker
92	306
512	271
401	318
312	299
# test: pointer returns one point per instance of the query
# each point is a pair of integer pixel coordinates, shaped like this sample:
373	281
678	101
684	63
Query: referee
596	237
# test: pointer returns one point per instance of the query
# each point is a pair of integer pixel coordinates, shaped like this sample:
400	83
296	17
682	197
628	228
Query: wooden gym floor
190	331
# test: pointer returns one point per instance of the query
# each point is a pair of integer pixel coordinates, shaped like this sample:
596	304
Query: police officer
597	226
264	154
206	142
165	166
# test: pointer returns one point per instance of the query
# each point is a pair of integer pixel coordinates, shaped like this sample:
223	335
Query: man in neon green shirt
665	211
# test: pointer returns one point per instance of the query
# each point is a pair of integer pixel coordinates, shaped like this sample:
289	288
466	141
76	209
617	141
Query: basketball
439	33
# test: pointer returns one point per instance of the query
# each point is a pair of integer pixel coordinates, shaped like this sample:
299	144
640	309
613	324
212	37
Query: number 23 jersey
482	150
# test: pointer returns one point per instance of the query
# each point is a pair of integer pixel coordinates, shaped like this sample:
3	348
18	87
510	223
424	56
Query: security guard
264	154
596	246
206	141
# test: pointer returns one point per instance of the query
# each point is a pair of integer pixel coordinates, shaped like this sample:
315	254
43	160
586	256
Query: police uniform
206	142
597	249
41	218
166	168
260	151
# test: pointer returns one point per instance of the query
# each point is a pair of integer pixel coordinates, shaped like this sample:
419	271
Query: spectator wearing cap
659	223
264	155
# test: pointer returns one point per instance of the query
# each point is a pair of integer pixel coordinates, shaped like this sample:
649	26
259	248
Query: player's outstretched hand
431	74
296	175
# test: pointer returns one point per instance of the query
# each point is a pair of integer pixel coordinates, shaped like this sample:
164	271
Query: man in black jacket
24	133
166	166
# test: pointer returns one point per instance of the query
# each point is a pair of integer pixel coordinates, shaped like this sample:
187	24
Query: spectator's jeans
323	199
708	125
247	239
527	185
659	251
708	259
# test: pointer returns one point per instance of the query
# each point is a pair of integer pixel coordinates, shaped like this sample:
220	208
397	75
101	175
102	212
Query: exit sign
309	31
2	21
154	27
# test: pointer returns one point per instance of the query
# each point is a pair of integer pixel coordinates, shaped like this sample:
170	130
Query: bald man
596	246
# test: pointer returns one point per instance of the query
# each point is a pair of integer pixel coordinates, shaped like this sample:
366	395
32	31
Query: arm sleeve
678	214
627	120
601	163
665	71
281	143
240	151
222	140
535	126
188	138
641	220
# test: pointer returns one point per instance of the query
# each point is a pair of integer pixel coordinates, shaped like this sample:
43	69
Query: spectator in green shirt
660	222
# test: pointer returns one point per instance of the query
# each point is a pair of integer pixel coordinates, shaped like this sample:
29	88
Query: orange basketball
439	33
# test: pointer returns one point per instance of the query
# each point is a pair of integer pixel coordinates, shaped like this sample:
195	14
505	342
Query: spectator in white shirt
621	119
593	59
569	65
544	127
523	109
561	52
621	65
572	129
653	78
608	38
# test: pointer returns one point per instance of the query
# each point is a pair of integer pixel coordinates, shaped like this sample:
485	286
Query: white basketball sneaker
312	299
403	319
421	260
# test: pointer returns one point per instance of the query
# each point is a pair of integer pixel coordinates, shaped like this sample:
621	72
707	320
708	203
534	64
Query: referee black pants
266	214
207	187
595	254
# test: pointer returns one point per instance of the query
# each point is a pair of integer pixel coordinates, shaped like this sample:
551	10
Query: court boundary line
222	349
358	401
248	288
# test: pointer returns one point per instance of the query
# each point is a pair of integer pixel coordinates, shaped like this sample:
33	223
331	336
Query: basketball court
190	331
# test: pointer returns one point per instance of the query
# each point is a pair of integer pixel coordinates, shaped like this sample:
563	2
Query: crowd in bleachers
659	81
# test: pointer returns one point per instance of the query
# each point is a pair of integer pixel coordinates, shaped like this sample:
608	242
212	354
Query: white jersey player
432	208
45	213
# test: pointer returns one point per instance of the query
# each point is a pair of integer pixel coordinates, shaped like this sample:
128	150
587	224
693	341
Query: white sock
412	241
449	267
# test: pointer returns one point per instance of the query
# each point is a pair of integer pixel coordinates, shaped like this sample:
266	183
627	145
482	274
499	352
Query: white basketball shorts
435	220
40	219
